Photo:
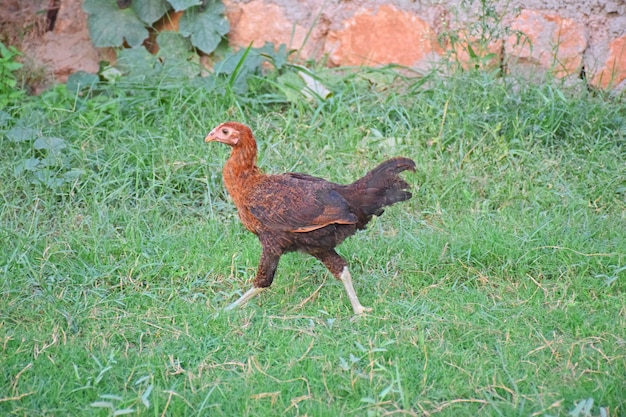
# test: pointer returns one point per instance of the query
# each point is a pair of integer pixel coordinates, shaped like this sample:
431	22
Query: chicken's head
229	133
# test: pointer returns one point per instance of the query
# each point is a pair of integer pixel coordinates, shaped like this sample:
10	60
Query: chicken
299	212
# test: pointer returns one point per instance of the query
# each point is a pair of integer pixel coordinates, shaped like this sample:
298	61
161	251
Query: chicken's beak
210	137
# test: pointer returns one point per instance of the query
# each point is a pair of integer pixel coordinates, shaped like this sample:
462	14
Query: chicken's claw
346	279
252	292
360	310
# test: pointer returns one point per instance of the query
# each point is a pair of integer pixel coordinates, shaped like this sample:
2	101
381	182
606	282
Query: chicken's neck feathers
241	175
241	172
242	159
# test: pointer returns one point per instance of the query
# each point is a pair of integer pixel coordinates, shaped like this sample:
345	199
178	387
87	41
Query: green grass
498	290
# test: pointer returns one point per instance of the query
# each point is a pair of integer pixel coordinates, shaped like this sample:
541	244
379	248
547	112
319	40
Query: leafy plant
201	27
290	82
480	38
47	162
237	67
202	23
205	25
9	90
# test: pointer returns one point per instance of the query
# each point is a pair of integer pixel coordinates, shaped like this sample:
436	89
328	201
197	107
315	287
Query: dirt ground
22	18
53	39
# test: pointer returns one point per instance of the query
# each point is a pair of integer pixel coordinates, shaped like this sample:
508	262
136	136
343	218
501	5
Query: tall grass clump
497	290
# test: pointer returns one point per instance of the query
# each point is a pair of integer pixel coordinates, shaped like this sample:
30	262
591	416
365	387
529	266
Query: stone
381	37
548	43
613	71
258	22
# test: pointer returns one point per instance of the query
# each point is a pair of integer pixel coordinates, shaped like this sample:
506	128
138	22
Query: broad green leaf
179	5
8	53
279	58
173	45
4	118
30	164
291	85
54	159
176	53
80	80
244	63
239	67
110	26
12	66
72	174
249	63
48	178
136	62
21	134
49	143
98	6
150	11
206	26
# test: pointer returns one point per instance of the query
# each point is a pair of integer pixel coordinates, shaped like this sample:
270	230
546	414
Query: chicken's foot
252	292
346	278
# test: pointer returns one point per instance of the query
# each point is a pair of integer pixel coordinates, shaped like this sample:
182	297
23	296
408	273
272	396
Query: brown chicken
298	212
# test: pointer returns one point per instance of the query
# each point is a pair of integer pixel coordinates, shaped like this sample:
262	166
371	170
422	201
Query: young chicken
298	212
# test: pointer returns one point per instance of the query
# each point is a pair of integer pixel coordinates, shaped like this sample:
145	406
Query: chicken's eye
225	131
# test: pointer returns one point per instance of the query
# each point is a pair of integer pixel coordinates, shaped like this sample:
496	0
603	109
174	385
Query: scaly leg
339	268
264	277
245	298
346	279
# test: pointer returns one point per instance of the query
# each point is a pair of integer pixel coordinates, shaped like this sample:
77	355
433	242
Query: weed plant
498	290
10	91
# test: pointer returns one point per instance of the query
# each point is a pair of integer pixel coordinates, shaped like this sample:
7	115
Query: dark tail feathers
380	187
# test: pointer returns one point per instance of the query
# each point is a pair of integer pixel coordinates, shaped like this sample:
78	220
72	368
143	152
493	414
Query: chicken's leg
264	277
339	268
346	279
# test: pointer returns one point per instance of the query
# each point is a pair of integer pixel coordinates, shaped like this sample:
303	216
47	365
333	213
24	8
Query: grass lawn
498	290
